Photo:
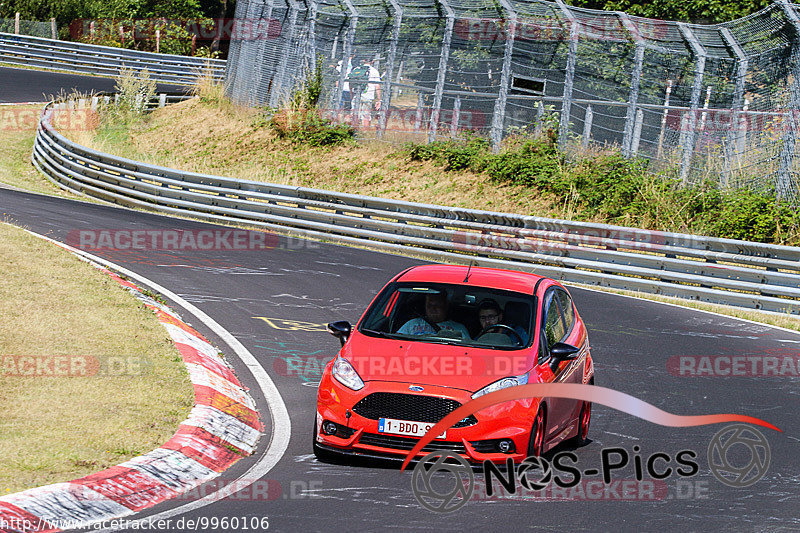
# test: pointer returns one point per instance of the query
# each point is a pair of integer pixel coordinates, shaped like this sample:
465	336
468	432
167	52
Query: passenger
435	319
489	314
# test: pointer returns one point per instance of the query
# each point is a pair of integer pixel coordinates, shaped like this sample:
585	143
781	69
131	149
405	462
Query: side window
553	325
567	309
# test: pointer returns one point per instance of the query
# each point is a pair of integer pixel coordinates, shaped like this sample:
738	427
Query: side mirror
562	351
340	329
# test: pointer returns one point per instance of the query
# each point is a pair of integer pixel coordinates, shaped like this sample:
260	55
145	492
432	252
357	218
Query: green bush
618	190
307	126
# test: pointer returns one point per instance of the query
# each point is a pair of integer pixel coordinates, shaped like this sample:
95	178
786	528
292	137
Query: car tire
536	440
584	418
581	438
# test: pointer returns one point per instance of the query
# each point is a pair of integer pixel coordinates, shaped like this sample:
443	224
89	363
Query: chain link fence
700	102
28	27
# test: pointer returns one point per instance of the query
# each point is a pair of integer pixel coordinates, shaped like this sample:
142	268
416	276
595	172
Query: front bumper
509	420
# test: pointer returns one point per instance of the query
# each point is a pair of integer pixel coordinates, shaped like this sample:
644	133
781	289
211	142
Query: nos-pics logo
738	456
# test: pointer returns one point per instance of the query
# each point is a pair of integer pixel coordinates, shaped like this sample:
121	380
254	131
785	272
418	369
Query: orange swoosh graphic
588	393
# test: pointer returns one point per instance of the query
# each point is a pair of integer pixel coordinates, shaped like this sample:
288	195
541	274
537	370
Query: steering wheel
507	329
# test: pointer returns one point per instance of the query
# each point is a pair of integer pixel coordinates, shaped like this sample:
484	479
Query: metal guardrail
724	271
104	60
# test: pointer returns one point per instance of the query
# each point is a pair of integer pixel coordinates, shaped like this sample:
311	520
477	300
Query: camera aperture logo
732	443
443	481
461	482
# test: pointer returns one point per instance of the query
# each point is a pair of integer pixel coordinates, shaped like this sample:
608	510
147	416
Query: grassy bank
530	176
69	316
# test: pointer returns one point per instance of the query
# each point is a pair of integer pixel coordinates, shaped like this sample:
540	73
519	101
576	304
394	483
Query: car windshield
451	314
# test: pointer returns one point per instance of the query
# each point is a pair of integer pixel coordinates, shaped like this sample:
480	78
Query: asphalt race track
24	85
300	285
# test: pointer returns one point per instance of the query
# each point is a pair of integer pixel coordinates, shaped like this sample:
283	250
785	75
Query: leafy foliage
608	187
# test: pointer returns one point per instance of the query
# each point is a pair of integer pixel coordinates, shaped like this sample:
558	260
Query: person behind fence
346	96
365	86
435	321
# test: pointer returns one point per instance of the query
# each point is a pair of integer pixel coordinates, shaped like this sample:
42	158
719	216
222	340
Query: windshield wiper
377	333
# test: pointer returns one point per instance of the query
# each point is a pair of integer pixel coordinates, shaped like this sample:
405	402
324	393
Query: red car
438	336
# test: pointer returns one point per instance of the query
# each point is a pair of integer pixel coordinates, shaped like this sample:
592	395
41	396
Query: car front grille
413	407
404	443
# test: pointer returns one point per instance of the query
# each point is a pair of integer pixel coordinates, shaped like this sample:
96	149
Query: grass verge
60	427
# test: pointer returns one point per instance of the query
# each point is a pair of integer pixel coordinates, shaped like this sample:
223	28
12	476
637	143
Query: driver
435	319
489	314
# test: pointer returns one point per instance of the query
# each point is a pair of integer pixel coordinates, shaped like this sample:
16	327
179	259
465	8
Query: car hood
428	363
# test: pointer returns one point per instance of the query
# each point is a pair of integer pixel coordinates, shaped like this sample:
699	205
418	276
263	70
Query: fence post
587	126
566	104
694	104
386	93
498	117
456	118
637	132
742	64
539	117
53	29
783	182
437	95
664	119
280	78
347	51
418	117
16	23
312	36
636	76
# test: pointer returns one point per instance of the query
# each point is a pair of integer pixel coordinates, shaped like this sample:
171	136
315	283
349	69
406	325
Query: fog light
506	446
329	428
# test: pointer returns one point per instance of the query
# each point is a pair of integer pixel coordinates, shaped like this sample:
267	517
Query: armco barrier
104	60
724	271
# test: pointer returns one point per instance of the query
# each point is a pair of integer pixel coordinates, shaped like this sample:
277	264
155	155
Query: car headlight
345	374
500	384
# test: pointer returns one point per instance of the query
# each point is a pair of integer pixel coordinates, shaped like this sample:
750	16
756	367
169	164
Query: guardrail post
456	118
587	126
742	64
95	101
699	71
636	76
162	99
498	117
53	32
443	58
566	103
783	181
386	93
347	51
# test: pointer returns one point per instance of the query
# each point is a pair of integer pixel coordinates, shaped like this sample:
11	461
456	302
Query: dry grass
58	428
230	141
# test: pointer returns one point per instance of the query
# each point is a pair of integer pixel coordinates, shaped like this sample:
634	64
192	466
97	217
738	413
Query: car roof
493	278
